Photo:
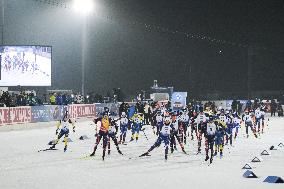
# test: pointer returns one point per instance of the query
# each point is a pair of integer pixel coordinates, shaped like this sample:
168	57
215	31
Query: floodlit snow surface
22	166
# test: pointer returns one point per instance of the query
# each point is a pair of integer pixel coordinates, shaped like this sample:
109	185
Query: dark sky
130	56
194	64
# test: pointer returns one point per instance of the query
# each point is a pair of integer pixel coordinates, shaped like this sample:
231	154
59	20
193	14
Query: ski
137	157
47	149
88	157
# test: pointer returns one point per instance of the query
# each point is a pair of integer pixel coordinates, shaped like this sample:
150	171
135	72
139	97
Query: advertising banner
113	108
4	116
47	113
82	110
20	114
15	115
178	100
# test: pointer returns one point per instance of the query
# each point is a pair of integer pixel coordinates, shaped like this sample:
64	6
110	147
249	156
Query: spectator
280	111
6	99
64	99
52	99
59	99
273	108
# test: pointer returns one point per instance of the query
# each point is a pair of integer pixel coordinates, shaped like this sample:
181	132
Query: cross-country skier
105	122
200	120
64	131
219	138
236	124
159	122
123	127
209	138
176	133
184	119
249	122
164	137
136	126
112	135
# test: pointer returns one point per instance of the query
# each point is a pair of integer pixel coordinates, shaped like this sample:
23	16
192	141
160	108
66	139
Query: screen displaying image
25	65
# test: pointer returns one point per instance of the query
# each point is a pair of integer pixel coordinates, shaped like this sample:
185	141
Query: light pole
85	7
84	48
2	21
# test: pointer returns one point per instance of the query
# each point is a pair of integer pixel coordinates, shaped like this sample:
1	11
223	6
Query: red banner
4	116
15	115
82	110
20	114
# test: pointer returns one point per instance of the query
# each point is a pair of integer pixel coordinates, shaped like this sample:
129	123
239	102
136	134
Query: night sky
124	52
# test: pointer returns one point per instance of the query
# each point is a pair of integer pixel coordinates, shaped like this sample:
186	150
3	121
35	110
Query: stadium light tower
84	7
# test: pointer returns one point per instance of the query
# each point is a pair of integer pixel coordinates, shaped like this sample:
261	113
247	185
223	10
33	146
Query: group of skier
216	128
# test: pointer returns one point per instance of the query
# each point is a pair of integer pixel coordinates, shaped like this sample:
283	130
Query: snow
21	166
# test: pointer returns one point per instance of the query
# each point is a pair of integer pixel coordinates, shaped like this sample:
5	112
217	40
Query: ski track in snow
22	166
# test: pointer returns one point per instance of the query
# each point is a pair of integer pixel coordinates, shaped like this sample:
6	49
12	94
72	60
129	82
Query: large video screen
25	65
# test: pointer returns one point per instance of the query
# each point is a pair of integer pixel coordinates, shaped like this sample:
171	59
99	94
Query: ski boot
145	154
199	151
118	150
52	147
92	154
103	157
207	157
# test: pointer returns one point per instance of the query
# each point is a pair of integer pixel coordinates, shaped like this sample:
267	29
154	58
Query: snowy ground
21	166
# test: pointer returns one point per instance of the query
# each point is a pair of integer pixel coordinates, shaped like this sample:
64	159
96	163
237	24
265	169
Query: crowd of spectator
24	98
13	99
8	99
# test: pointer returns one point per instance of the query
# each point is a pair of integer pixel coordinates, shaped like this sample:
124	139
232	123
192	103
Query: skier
164	136
64	131
136	126
262	109
209	138
258	119
105	122
223	116
193	127
219	138
159	122
229	130
236	124
201	127
123	127
112	135
184	122
248	119
175	134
